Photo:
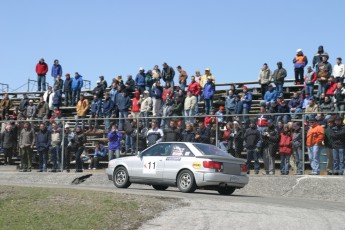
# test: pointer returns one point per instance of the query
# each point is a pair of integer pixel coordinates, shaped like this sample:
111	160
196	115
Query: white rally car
189	166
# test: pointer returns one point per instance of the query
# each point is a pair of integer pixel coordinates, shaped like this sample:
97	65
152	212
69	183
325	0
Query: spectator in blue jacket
95	111
67	89
77	84
270	96
247	103
100	154
156	95
57	98
208	93
284	109
114	144
230	105
56	70
295	105
108	106
123	105
140	80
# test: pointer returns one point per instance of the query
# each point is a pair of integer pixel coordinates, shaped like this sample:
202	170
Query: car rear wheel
226	190
186	182
160	187
121	178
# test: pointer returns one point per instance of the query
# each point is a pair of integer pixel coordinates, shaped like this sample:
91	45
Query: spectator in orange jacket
315	138
82	108
41	71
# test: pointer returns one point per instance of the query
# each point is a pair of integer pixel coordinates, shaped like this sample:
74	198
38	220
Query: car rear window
211	150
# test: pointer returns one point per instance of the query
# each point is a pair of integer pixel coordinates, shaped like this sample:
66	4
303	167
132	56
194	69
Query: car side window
162	149
181	150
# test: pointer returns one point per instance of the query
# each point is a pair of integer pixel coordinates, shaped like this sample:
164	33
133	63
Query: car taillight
243	168
218	166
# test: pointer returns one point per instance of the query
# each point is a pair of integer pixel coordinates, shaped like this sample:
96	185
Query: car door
180	156
150	164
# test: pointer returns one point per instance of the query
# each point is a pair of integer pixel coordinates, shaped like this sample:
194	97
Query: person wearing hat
119	80
309	80
300	61
31	110
338	136
168	74
41	71
324	71
284	111
315	138
318	57
98	91
270	96
140	80
278	77
103	82
77	84
264	79
56	70
297	140
252	138
208	94
220	114
205	77
189	107
67	90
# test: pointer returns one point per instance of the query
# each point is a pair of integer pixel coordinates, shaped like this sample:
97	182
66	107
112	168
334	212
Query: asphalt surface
268	202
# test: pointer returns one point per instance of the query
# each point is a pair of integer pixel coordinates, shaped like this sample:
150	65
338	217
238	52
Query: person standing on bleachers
26	144
182	78
8	138
41	71
68	136
123	105
318	57
56	139
58	84
82	108
208	94
56	70
95	112
77	84
57	98
156	95
78	146
135	108
140	80
204	78
300	61
246	103
98	91
324	71
309	81
189	107
195	88
107	110
31	110
5	106
48	98
168	74
279	76
43	144
104	82
67	90
264	79
145	107
129	85
339	99
295	105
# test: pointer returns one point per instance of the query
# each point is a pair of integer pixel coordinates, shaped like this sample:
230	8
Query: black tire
121	178
226	191
160	187
186	182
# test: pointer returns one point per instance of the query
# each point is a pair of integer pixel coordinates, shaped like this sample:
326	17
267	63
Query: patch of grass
43	208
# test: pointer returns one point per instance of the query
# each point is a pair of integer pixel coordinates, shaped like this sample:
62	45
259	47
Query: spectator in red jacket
195	88
331	87
210	120
41	70
135	111
285	149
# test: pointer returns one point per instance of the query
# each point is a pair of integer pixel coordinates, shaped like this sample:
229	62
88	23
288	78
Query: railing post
63	146
303	142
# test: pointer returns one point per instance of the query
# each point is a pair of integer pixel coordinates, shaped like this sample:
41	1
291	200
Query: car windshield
211	150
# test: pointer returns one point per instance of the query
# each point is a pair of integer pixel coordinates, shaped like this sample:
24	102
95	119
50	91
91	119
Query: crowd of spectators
148	111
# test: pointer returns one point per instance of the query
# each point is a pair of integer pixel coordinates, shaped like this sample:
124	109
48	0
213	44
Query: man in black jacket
171	133
43	143
8	138
203	134
131	134
338	135
270	144
168	74
188	135
253	141
67	90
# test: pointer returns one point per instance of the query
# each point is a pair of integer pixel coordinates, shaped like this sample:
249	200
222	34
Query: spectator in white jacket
339	71
145	106
189	107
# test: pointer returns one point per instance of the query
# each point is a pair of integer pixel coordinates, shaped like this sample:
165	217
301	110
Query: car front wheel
121	178
226	191
160	187
186	182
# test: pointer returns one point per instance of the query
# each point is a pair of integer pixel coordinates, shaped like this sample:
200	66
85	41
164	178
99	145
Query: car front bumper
109	172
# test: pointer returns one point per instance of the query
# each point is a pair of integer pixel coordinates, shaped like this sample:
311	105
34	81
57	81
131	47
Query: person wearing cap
264	78
195	88
208	94
77	84
130	85
279	76
315	138
246	101
31	110
56	70
68	136
104	82
189	107
324	71
140	80
119	80
338	136
270	96
297	140
82	108
67	90
300	61
204	78
41	71
311	109
182	78
156	95
309	80
220	114
318	57
252	138
145	107
98	91
339	99
168	74
57	98
107	110
226	136
339	70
